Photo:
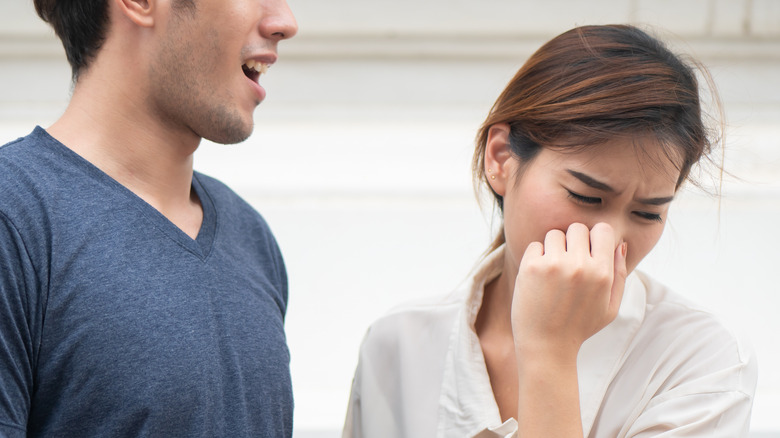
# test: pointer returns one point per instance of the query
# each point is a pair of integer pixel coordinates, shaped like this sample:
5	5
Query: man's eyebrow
598	185
590	181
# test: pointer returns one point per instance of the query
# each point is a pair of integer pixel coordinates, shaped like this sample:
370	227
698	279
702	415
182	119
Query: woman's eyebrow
598	185
590	181
656	201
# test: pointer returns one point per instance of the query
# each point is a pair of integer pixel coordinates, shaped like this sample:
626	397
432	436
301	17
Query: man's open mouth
253	69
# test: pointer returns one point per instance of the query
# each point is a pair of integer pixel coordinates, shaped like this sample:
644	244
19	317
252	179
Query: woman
555	334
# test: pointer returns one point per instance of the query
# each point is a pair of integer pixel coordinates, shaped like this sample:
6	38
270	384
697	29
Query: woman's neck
494	329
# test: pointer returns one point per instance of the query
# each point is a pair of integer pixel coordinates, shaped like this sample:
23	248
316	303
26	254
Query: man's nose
279	22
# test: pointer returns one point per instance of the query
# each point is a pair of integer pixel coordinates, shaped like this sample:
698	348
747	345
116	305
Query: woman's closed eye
649	216
592	200
582	199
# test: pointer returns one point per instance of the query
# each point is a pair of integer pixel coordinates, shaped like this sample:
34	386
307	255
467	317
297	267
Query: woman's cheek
640	244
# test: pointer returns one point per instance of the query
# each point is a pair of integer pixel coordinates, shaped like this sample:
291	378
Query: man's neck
122	138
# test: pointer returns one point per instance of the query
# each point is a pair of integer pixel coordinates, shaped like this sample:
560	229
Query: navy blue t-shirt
115	323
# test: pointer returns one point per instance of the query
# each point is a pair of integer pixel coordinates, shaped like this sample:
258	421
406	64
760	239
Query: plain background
360	161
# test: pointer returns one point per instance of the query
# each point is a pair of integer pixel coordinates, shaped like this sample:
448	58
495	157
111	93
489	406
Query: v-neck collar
203	242
200	247
467	404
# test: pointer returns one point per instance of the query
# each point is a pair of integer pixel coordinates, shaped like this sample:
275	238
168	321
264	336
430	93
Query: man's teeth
259	67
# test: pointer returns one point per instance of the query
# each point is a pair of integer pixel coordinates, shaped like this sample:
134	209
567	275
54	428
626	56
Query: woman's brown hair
596	83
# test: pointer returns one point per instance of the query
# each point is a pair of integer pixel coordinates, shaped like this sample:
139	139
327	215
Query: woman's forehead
644	157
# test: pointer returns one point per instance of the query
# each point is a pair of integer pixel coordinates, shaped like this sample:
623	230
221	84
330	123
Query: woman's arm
567	289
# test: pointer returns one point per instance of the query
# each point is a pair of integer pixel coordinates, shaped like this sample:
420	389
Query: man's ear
140	12
499	162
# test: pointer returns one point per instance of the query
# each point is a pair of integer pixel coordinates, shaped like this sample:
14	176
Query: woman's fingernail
624	248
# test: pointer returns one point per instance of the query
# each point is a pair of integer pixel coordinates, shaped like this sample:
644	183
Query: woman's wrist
539	355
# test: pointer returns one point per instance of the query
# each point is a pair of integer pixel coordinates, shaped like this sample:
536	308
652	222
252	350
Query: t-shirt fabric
115	323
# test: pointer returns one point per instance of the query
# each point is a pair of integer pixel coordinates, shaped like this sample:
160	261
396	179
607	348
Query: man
138	298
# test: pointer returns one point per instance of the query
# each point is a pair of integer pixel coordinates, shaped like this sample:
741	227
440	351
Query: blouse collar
467	405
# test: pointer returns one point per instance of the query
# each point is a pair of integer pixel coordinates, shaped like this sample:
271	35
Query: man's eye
648	216
583	199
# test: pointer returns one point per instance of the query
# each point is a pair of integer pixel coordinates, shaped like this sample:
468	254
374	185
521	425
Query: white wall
360	160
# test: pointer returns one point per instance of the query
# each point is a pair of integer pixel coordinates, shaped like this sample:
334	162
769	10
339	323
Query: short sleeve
18	304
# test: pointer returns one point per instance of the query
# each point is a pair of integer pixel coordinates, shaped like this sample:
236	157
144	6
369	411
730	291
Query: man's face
199	78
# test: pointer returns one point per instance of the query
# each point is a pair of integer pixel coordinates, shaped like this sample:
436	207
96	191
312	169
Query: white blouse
663	368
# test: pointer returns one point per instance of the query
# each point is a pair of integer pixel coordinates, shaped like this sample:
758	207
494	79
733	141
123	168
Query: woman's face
607	183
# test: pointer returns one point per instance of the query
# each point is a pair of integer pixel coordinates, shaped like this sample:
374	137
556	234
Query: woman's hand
567	289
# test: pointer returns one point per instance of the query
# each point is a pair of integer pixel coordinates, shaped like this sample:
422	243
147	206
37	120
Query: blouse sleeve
710	414
352	427
506	430
710	394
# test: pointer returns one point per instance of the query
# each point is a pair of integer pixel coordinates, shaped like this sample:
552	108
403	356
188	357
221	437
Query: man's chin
230	139
228	131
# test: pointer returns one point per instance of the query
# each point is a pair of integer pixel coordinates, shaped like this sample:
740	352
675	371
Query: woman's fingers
611	256
578	240
554	242
570	286
535	249
619	279
602	244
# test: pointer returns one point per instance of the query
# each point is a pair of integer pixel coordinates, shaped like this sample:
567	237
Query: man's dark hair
80	24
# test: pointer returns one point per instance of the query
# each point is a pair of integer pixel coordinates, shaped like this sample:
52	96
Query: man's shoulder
28	171
12	146
16	154
37	156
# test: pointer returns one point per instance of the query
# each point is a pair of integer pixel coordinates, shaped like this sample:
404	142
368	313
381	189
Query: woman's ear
498	158
140	12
